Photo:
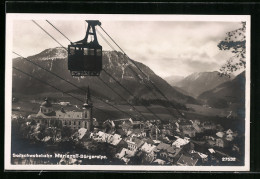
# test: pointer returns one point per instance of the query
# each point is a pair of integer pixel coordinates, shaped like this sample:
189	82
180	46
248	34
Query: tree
235	41
66	132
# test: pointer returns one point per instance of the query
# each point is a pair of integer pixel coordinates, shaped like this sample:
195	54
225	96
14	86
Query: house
65	103
180	142
229	131
197	128
148	141
167	152
220	143
208	125
211	142
162	146
125	153
156	142
159	161
184	123
148	150
211	150
108	126
115	139
196	122
229	137
104	137
187	160
138	133
220	134
201	155
188	131
137	124
127	127
134	143
201	158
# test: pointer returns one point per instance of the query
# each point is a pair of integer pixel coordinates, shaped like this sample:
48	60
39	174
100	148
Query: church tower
46	107
87	111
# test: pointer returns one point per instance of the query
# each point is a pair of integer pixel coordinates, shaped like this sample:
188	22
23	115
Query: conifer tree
235	41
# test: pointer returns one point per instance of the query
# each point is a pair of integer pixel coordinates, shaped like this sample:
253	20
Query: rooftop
187	161
46	103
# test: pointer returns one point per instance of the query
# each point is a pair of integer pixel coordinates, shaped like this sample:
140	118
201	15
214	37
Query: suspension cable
122	97
58	89
135	73
99	78
49	34
66	49
58	31
130	93
72	84
147	86
160	92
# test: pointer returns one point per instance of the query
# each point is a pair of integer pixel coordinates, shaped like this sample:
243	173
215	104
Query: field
30	105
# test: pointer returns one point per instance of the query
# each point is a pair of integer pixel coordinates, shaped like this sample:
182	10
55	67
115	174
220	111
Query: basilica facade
62	118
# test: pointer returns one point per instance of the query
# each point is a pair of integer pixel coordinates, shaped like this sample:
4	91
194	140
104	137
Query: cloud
168	48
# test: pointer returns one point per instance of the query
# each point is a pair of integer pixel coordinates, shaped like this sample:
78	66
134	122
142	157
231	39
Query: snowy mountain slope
114	63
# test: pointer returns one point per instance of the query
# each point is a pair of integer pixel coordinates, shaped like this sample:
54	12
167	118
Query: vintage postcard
127	92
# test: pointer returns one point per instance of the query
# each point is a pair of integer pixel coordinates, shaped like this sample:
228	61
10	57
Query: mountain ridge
228	93
199	82
115	63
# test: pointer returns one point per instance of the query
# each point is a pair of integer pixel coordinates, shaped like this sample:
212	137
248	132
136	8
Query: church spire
87	99
88	96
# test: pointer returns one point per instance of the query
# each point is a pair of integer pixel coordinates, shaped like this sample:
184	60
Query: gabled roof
116	139
159	161
171	150
148	140
49	115
229	131
179	142
69	115
163	146
187	161
120	132
148	147
138	142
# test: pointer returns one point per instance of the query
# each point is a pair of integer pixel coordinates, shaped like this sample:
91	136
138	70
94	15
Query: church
61	118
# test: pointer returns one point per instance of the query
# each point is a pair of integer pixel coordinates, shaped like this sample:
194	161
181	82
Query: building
134	143
61	118
187	160
167	152
189	131
209	126
197	127
221	143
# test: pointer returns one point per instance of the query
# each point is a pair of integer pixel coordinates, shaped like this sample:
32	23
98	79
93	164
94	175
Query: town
181	142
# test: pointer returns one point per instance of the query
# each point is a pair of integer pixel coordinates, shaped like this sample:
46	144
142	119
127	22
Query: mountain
226	94
199	82
115	63
172	80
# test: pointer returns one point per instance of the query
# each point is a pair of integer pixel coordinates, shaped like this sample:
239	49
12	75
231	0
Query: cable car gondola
85	58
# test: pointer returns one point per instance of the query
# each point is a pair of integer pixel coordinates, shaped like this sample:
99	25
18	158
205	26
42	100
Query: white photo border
10	17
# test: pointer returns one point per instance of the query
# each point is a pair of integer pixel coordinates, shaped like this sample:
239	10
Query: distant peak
51	53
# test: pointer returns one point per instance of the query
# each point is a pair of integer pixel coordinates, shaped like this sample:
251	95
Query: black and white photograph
127	92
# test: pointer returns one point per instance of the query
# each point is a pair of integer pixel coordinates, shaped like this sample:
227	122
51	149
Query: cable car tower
85	56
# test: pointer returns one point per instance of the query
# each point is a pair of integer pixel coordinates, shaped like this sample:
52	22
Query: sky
169	48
